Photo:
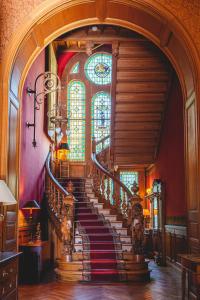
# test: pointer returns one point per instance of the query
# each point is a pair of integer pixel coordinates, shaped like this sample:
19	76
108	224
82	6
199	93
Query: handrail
127	204
105	186
102	140
61	210
56	182
106	172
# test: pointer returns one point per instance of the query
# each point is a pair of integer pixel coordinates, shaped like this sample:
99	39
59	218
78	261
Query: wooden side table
32	261
191	268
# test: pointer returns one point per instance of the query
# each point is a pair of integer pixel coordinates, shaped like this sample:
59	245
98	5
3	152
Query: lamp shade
6	197
63	146
32	204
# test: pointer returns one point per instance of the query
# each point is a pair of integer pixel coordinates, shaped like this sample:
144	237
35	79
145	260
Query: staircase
102	249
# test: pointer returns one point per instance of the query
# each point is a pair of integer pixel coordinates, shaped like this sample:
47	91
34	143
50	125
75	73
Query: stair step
93	245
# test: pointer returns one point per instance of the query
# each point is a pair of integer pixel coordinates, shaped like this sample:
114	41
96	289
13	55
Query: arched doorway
152	22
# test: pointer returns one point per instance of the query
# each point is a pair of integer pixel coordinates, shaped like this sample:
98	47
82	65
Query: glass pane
98	68
128	177
76	120
75	68
101	113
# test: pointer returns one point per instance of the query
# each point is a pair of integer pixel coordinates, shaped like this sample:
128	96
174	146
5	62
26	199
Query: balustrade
126	203
61	210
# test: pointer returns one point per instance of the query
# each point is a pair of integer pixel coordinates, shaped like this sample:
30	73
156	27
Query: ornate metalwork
50	83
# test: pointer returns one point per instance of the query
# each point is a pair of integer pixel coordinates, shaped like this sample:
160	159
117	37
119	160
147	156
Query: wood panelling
121	117
139	97
143	87
12	150
10	228
175	241
143	83
192	178
135	76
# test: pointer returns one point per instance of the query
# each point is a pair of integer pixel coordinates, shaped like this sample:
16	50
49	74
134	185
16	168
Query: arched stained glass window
76	120
75	68
98	68
101	114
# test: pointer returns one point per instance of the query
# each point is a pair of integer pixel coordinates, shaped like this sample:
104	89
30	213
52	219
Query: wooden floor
165	284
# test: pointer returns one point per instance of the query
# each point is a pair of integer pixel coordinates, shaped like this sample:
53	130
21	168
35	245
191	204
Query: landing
165	284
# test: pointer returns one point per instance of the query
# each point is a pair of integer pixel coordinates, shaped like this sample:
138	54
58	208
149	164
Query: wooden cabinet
191	267
33	261
8	228
8	275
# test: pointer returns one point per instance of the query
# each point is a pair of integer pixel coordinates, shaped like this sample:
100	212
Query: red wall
32	159
169	166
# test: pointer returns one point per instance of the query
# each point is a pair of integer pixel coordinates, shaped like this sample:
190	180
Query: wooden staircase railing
126	203
61	210
104	182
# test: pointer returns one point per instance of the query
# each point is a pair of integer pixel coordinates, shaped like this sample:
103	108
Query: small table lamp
6	197
31	205
146	214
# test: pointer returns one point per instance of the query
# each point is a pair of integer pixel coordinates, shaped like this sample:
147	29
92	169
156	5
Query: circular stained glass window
98	68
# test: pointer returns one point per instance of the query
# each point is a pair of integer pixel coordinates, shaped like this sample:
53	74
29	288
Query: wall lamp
45	83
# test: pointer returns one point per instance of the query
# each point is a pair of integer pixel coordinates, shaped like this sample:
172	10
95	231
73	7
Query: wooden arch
49	20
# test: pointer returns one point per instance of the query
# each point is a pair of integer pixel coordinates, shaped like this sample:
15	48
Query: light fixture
45	83
6	197
63	146
58	117
146	212
30	206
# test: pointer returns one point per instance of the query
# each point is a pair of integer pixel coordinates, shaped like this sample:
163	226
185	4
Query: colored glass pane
101	114
98	68
128	177
75	68
76	120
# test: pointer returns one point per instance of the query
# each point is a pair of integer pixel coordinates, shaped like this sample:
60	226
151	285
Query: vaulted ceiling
141	84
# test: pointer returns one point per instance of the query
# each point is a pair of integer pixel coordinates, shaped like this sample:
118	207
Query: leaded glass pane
75	68
101	114
76	120
128	177
98	68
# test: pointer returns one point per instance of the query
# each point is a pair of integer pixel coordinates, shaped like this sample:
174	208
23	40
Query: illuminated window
75	68
76	120
101	114
98	68
128	177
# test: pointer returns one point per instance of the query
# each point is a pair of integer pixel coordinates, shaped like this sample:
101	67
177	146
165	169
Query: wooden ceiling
141	88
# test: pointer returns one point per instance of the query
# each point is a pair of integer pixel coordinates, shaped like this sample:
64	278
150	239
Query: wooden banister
104	180
128	204
61	210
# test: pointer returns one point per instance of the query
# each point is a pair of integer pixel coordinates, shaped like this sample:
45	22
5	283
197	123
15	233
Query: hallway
165	284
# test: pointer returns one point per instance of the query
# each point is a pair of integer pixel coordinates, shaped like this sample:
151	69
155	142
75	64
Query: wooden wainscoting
175	241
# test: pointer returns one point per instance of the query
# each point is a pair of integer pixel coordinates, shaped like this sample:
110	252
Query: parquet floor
165	284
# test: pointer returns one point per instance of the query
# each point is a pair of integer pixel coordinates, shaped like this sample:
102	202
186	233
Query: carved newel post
67	227
136	220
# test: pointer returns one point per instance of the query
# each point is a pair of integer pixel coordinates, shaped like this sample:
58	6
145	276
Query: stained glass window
75	68
128	177
76	120
101	113
98	68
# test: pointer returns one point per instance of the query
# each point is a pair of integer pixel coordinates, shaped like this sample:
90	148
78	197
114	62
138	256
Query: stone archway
157	24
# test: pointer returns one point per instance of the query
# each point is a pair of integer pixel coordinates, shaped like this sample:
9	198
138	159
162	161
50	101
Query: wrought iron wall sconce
50	83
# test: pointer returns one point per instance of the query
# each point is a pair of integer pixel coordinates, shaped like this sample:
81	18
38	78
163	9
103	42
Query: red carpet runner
100	256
